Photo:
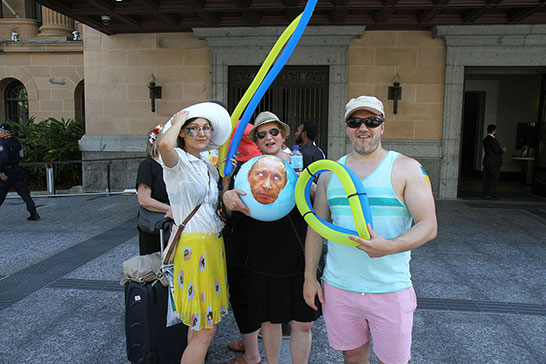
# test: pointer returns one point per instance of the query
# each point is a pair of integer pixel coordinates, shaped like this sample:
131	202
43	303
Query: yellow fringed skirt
200	280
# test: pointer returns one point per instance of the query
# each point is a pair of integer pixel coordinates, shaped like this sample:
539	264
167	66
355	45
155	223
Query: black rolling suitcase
148	339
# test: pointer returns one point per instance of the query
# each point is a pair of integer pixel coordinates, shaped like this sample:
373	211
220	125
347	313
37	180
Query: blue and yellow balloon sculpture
358	200
286	42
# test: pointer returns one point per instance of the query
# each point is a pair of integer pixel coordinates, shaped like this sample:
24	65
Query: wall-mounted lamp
155	91
395	93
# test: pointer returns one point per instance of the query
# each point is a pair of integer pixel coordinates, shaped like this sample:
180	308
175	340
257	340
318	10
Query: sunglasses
370	122
196	129
262	134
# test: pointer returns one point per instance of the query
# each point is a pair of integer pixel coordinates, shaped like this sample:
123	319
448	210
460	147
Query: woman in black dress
275	260
152	193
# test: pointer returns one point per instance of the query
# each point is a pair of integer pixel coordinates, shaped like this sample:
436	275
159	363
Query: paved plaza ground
480	284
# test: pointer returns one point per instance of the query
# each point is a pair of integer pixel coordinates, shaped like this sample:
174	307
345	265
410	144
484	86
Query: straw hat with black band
266	117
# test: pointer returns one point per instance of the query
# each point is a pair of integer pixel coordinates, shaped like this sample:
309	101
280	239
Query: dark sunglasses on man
262	134
370	122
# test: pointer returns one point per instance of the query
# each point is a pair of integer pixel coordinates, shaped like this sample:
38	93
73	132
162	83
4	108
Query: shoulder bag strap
171	249
296	232
321	262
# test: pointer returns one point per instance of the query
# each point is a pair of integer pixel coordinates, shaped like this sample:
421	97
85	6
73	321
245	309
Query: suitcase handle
163	224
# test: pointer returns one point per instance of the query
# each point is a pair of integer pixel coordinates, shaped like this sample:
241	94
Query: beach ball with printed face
269	183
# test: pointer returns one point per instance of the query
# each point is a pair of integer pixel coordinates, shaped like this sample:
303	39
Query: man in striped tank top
367	290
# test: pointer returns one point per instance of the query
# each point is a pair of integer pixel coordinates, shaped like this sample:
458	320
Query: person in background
367	289
492	162
305	138
11	175
151	191
200	278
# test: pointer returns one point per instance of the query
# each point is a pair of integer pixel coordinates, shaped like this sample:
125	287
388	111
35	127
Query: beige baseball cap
369	103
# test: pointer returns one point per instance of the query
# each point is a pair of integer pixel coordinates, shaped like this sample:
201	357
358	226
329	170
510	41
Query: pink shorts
351	316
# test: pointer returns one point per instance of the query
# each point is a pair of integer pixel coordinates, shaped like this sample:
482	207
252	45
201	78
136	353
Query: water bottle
296	159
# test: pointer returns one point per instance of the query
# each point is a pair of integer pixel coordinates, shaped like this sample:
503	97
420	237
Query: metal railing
50	174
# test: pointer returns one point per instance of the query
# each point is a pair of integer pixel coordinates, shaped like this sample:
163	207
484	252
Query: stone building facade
45	60
193	66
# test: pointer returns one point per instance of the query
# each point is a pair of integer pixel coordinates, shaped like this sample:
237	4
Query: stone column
55	26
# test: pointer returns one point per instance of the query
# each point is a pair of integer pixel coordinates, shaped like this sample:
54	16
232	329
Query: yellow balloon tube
324	228
266	66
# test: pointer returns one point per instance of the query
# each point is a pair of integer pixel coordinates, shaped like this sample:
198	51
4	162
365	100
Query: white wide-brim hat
218	117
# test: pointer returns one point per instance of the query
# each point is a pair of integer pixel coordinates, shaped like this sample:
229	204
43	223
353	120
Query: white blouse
191	181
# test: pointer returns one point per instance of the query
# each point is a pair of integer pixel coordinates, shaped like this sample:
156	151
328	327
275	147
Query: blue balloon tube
268	80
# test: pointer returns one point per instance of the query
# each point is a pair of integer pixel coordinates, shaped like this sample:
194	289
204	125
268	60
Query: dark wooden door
299	93
473	115
539	183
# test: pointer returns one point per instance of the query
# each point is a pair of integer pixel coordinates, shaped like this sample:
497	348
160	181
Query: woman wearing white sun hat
200	283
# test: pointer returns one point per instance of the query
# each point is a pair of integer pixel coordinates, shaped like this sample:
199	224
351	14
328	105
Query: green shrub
47	141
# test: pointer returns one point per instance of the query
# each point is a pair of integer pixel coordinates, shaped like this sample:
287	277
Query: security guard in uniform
10	173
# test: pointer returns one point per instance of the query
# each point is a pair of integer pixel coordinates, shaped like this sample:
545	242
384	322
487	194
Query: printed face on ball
267	178
268	183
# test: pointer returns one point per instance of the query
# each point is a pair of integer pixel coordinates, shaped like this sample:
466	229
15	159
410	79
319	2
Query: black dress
236	245
150	173
275	265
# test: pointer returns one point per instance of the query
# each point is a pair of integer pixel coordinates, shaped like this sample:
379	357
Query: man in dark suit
492	161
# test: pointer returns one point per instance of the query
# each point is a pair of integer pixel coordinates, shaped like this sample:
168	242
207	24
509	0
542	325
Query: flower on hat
155	132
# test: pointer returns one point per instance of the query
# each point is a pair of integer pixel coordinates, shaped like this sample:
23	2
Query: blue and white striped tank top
352	269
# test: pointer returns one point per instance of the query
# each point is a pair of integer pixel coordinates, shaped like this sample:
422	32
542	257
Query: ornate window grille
16	102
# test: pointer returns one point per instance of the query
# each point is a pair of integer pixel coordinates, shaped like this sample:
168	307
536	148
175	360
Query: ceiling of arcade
150	16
